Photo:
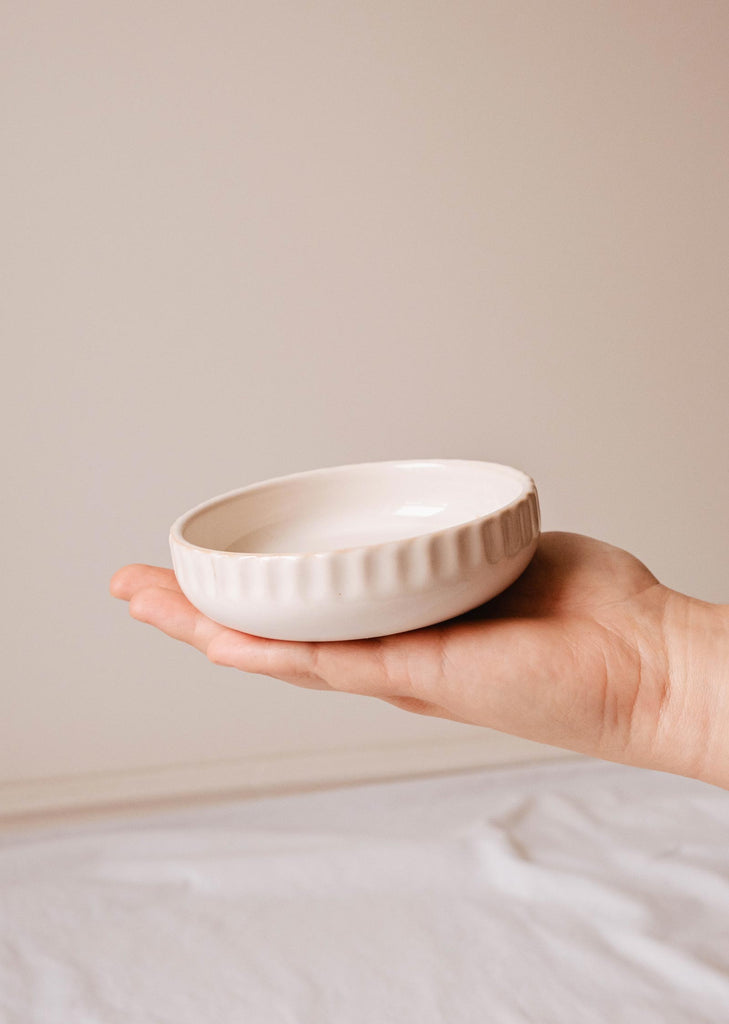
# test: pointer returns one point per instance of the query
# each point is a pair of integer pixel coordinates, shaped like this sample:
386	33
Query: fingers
127	581
387	668
171	612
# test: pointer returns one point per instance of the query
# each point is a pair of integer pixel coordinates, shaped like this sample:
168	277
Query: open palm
572	654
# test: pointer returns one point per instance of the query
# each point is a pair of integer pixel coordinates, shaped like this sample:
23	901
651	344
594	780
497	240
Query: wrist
697	645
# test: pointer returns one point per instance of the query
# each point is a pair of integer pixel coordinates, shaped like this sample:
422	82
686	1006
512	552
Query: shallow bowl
357	551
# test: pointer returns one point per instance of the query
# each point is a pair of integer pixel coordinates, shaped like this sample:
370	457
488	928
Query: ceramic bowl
357	551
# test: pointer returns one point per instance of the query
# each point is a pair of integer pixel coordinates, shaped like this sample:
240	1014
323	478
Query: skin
586	651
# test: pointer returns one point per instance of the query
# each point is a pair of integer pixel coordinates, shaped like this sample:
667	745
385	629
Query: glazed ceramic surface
357	551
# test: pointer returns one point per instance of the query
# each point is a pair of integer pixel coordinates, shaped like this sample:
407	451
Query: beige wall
243	239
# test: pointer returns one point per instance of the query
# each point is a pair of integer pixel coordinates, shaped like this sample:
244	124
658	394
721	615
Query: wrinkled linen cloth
574	892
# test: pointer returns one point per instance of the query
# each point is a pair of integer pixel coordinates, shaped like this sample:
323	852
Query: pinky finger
171	612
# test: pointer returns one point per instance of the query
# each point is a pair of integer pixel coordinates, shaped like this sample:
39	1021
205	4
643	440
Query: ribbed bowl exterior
362	591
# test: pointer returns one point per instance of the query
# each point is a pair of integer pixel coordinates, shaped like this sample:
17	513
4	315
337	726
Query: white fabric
565	893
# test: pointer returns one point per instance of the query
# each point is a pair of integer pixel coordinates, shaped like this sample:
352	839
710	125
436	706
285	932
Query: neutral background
244	239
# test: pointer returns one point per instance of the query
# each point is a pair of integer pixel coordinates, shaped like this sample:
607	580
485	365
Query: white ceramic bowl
357	551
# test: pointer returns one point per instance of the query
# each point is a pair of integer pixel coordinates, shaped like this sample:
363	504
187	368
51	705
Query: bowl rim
176	530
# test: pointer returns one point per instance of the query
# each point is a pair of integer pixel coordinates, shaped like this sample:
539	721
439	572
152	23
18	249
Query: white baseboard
261	775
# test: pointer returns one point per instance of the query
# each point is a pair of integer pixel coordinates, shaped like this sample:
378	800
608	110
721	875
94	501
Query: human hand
587	651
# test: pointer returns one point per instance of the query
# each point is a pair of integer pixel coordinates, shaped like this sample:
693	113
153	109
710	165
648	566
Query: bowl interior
352	506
